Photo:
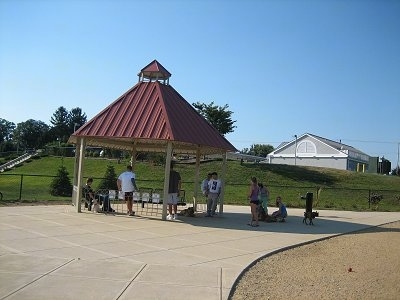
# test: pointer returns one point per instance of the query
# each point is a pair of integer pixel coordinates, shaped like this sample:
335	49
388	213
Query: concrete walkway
52	252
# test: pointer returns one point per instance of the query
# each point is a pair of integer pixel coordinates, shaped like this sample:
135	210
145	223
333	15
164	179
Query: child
281	213
264	195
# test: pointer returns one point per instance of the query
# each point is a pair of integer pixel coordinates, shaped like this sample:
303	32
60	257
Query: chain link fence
29	188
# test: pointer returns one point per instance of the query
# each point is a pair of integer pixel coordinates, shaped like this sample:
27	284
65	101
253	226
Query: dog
188	212
310	215
96	207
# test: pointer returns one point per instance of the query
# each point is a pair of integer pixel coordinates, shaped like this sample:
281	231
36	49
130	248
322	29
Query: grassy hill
333	189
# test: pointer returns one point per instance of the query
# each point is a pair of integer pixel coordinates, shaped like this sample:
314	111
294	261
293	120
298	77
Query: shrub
110	179
61	185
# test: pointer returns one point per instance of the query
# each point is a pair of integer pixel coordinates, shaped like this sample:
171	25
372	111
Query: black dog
310	215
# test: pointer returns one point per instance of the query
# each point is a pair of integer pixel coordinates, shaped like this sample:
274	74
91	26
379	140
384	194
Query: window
306	147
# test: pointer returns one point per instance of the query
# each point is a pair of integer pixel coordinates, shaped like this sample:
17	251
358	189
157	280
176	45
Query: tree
110	179
258	150
65	123
218	116
396	171
76	119
6	129
61	185
30	134
60	122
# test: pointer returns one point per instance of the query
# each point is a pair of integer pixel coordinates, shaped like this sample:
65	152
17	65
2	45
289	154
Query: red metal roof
151	112
155	69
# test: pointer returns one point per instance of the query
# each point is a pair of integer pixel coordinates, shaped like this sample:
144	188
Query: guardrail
16	161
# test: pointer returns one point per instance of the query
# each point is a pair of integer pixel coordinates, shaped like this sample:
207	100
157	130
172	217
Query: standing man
174	188
126	183
214	189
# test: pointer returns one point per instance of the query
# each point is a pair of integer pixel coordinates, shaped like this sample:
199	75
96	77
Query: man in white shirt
126	183
214	189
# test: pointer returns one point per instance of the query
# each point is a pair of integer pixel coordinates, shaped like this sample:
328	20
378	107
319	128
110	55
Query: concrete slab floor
52	252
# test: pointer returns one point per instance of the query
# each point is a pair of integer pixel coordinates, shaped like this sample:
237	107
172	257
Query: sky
284	67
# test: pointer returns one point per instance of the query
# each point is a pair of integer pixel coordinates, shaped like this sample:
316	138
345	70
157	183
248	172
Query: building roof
336	145
148	116
154	70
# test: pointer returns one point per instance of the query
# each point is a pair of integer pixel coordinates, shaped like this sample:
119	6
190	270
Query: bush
61	185
110	179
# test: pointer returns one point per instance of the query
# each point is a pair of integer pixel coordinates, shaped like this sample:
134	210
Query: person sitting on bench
89	194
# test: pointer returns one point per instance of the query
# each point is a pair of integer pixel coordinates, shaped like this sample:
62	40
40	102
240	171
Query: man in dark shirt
175	183
88	193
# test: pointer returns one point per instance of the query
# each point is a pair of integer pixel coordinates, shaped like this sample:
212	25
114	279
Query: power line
375	142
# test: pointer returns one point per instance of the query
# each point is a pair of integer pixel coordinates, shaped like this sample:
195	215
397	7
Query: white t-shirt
126	181
214	186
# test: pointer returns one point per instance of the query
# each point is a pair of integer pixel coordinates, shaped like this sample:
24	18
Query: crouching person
281	213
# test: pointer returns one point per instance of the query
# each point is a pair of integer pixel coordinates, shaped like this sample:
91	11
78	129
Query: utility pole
295	150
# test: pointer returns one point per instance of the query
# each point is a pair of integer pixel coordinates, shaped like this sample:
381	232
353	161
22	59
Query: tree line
35	134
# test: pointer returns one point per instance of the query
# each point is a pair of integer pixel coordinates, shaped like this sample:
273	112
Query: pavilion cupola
154	71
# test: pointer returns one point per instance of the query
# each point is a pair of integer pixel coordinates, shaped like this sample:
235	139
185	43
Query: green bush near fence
332	189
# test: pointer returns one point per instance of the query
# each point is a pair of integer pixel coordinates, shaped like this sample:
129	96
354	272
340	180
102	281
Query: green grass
336	189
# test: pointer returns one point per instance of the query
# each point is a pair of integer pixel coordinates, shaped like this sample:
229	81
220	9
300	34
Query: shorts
172	198
256	202
128	196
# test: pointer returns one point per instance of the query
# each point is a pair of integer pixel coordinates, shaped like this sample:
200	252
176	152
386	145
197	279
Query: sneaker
169	217
132	214
175	217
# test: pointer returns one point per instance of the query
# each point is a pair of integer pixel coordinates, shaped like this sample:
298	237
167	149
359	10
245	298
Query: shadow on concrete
293	224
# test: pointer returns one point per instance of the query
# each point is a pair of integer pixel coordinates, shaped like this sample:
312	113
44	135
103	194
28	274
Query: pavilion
153	117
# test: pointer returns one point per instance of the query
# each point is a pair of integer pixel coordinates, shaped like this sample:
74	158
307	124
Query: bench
148	195
147	201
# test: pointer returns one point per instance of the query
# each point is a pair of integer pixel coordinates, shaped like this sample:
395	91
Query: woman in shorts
254	202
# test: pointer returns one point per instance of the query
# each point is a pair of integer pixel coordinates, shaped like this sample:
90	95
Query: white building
315	151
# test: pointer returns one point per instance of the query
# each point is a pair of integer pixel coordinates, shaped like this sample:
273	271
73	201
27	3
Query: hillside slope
331	188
